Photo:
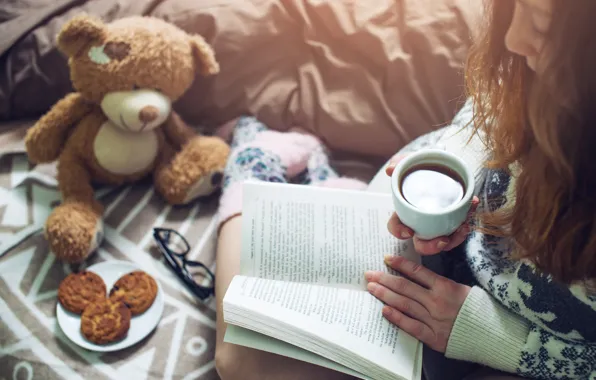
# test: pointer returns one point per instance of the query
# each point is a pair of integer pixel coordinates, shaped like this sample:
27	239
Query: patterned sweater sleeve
487	333
518	319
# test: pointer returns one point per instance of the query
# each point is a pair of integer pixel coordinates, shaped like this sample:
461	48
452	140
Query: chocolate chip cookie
105	321
136	289
78	290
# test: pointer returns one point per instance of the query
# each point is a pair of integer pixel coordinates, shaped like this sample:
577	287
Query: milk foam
431	190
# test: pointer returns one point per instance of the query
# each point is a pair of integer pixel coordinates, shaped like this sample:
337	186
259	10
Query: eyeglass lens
175	242
199	273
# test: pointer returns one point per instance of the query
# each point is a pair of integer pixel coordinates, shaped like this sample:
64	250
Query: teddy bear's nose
148	114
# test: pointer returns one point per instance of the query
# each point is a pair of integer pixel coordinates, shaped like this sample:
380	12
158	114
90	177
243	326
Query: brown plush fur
160	56
140	52
45	144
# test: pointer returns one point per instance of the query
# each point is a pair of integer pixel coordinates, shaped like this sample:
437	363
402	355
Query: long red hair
546	125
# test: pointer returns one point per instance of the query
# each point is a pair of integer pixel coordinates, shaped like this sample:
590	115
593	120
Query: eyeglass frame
202	292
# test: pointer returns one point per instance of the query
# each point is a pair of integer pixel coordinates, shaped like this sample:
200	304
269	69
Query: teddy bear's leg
195	171
74	229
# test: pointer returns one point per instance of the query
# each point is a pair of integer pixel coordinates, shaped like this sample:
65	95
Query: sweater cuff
487	333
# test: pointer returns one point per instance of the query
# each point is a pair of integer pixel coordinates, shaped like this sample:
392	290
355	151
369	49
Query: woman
525	302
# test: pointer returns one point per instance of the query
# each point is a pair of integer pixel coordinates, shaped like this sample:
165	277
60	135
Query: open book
301	291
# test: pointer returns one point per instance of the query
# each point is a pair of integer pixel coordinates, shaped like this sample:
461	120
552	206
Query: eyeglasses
195	275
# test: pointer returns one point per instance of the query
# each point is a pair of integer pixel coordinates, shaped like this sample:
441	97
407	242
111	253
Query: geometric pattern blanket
32	345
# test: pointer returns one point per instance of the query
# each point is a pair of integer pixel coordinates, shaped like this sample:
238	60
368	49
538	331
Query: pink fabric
294	149
230	203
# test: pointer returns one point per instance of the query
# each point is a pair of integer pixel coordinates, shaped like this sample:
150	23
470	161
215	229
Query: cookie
136	289
105	321
78	290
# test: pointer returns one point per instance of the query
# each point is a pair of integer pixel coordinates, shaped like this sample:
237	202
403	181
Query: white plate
140	325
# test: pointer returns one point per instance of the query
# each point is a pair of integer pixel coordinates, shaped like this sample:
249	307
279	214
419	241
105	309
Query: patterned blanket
32	345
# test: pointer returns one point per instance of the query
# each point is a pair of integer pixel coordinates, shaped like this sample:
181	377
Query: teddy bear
118	125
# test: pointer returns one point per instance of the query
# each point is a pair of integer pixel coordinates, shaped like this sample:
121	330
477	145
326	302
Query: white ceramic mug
430	224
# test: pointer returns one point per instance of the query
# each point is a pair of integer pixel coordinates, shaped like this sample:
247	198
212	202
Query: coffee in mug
432	187
432	192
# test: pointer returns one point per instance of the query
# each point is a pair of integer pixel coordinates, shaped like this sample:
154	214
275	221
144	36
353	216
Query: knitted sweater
515	318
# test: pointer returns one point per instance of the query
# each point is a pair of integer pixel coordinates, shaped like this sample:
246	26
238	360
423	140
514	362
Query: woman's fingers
398	302
397	229
412	270
438	245
412	326
393	163
475	203
430	247
400	285
459	236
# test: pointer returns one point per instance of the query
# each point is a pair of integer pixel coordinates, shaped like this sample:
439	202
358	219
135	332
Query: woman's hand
428	247
421	303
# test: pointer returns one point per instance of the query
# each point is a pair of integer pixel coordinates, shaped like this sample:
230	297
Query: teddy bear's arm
44	141
177	131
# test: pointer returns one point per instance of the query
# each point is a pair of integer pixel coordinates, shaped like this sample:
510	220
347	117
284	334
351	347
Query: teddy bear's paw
184	192
205	186
195	171
181	190
74	231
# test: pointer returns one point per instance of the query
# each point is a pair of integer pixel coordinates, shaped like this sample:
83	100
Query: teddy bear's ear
203	55
79	32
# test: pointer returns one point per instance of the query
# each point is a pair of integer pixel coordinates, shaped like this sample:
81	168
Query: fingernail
405	235
442	244
371	287
387	311
388	259
368	275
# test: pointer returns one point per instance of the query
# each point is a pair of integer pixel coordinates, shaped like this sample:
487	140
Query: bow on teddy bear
119	126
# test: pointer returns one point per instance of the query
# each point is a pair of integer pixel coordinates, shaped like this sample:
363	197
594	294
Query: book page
417	375
316	235
344	318
251	339
248	338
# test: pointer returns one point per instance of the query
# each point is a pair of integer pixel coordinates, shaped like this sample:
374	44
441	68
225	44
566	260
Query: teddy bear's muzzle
148	114
137	110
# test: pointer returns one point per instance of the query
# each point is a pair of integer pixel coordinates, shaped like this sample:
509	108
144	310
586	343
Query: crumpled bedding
365	76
